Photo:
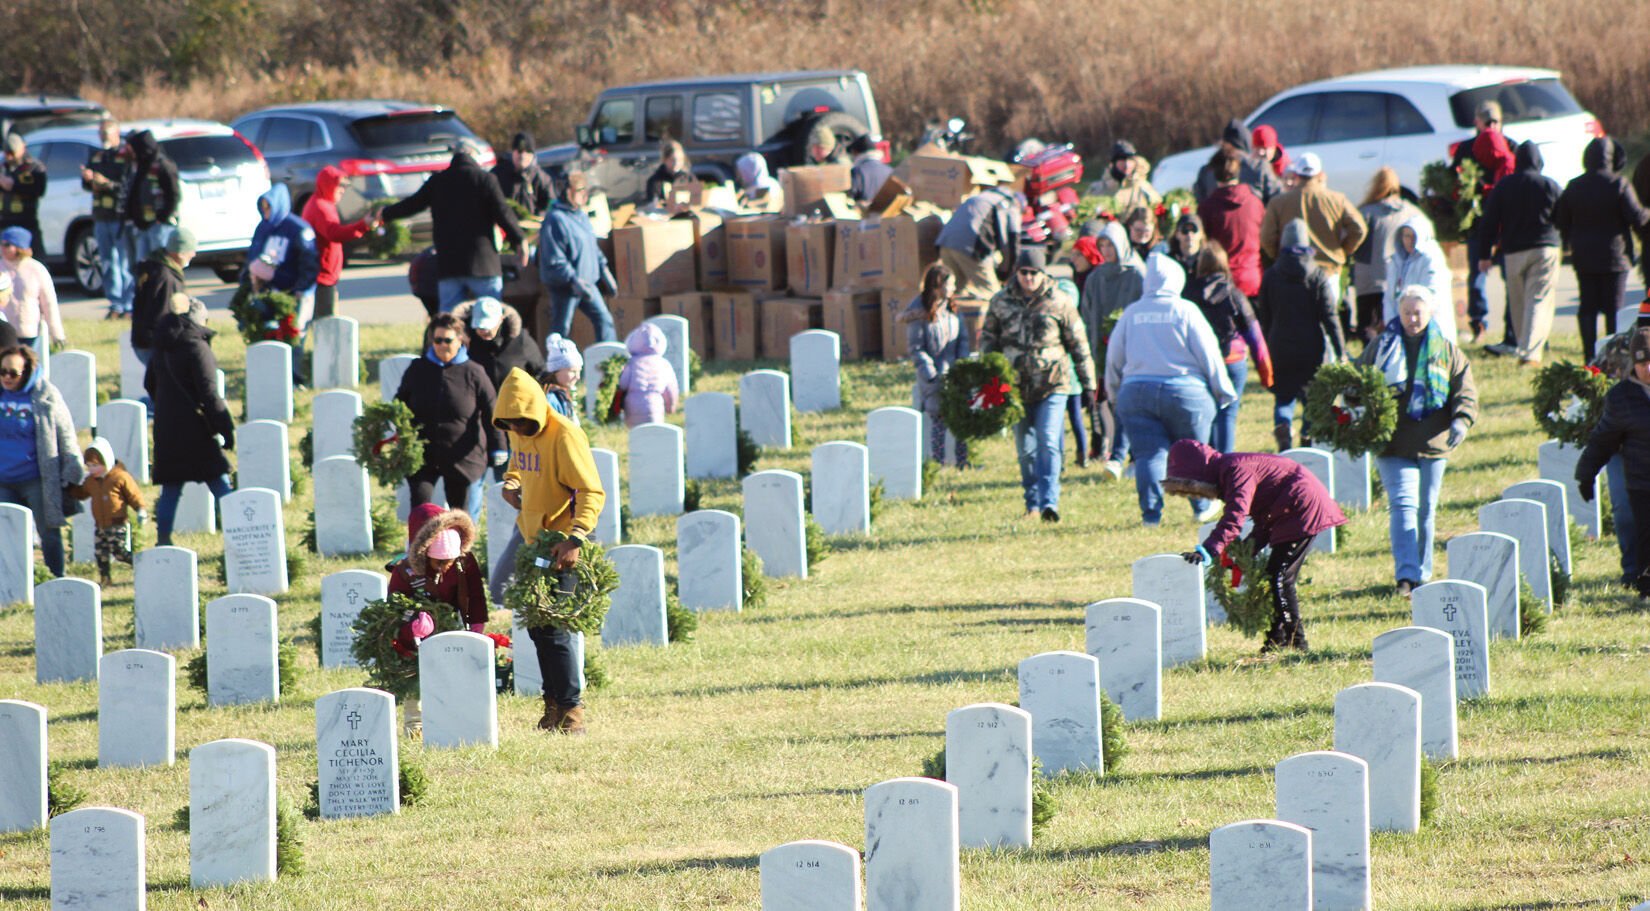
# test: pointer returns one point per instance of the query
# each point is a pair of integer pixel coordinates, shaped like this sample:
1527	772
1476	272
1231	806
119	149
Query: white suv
1407	118
220	177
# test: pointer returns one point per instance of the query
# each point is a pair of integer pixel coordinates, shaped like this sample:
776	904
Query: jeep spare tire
847	128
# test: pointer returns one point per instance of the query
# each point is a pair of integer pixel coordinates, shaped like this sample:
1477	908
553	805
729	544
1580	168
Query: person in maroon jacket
1231	216
1289	508
439	565
321	212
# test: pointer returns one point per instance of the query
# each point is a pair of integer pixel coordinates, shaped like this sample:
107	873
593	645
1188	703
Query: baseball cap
521	142
486	314
1033	257
1490	111
18	237
1309	165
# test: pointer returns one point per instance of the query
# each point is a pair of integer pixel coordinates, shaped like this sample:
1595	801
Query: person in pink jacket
648	382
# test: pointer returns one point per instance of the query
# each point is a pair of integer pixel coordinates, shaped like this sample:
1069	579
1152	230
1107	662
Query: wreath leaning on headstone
381	645
1248	607
1350	407
386	442
979	398
1568	400
539	595
607	393
265	316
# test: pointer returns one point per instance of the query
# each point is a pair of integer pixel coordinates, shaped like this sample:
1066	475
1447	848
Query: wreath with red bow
979	398
265	316
1351	408
387	444
1248	607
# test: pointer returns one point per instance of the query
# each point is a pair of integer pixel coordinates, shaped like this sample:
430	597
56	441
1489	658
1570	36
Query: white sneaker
1114	469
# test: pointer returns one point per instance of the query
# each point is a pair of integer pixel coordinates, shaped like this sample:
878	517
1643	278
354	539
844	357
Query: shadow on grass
1128	848
25	893
1609	754
803	686
901	609
88	715
1125	777
1550	905
1278	714
668	867
1318	655
1560	703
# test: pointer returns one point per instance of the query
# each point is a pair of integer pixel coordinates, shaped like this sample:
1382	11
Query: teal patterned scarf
1430	391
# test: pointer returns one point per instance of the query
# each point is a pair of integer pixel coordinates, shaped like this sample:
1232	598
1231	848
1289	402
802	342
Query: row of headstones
1524	533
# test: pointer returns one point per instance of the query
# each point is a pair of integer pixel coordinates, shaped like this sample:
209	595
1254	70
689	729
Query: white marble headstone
813	875
912	846
136	708
1125	636
268	382
1555	501
68	630
1423	659
390	371
242	651
774	526
1353	489
16	555
82	537
456	682
98	860
816	364
1459	608
131	369
1556	461
1321	465
988	759
709	568
637	615
841	495
712	436
501	522
125	424
332	423
1260	865
676	350
1380	723
894	437
656	467
609	530
74	374
197	510
22	765
1176	586
1328	793
356	751
1491	560
1061	692
264	460
343	507
594	357
765	408
343	595
231	813
528	676
337	353
1526	522
166	610
254	542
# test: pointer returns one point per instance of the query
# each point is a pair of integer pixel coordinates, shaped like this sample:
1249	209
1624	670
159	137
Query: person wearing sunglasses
39	455
1184	245
452	399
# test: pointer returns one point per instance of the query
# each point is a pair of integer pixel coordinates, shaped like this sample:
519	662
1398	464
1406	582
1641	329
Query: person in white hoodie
1418	260
1165	371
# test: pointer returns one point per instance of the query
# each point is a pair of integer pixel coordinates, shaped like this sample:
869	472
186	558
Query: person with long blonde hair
1384	210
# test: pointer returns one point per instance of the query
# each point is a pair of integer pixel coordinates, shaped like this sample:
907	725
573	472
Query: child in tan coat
112	491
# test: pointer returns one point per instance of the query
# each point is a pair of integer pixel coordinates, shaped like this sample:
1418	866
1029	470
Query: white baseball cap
1308	165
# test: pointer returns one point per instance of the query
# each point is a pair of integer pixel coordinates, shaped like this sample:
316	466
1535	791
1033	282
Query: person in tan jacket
112	492
1332	221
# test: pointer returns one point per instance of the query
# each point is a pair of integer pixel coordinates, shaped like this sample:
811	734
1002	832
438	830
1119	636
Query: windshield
40	120
1521	102
203	153
424	128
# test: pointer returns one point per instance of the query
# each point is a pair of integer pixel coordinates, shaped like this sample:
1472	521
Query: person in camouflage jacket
1036	326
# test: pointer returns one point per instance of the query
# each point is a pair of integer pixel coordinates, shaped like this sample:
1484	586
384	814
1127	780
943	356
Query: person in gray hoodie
1109	287
1165	370
1384	211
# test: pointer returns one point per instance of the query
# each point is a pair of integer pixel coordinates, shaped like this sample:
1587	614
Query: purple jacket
1285	501
648	380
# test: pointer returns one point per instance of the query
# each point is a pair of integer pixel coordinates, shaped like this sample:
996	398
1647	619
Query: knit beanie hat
444	546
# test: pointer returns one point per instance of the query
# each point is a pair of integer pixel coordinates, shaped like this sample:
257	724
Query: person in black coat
1517	225
1297	311
1597	215
497	341
152	195
451	398
465	204
190	417
159	280
1624	427
521	180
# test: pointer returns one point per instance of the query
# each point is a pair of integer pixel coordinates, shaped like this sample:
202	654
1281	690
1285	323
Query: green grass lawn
769	725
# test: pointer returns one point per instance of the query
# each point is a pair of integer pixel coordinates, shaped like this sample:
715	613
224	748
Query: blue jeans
166	506
563	301
1412	488
114	260
1040	440
1621	512
31	494
457	290
147	240
1157	412
1223	433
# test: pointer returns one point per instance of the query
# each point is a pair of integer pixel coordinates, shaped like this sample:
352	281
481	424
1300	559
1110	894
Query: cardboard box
710	244
653	258
783	317
907	247
831	208
894	301
583	334
805	186
756	253
809	250
694	307
736	323
857	259
844	254
856	318
629	312
946	180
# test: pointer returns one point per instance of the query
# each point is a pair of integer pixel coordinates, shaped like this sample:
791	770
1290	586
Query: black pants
326	301
1640	502
558	665
422	486
1283	568
1602	294
1369	312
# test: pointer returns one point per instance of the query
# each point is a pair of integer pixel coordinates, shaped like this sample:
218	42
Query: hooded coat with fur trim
461	586
508	349
1285	501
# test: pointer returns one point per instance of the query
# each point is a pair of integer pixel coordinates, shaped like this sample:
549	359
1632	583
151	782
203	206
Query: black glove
1196	557
1586	490
1089	399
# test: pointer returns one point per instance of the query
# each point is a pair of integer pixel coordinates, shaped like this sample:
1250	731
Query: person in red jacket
1288	506
321	212
1494	156
1232	215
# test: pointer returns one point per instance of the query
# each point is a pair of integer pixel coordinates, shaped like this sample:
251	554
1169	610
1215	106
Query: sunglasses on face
1188	229
11	374
445	340
1030	272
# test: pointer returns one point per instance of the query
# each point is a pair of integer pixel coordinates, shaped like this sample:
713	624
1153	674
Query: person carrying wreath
1287	504
553	484
439	567
1624	427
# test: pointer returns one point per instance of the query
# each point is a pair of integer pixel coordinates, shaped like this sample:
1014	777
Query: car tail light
256	152
365	167
1593	128
485	156
885	151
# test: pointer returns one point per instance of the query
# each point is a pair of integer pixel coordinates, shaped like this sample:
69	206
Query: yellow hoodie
560	489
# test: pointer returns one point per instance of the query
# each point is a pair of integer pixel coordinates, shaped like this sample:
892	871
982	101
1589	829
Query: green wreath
1108	325
1450	195
265	316
608	390
376	627
1249	610
1351	408
1568	400
388	240
979	398
532	594
387	443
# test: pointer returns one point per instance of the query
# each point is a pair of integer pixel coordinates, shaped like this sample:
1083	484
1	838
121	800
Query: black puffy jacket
182	383
1519	212
1623	427
453	407
1598	212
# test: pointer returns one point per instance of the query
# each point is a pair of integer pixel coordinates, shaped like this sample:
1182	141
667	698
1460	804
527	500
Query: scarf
1430	389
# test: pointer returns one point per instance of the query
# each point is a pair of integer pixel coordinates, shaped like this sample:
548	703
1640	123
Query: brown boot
552	715
572	720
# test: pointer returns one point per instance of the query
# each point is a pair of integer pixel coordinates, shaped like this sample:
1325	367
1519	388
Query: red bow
390	436
1089	250
1593	370
992	395
1237	571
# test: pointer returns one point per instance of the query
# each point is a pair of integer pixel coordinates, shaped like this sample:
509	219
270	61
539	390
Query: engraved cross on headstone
1449	613
352	596
250	512
354	718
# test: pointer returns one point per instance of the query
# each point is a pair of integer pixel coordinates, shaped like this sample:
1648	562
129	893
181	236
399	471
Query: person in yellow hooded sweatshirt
552	482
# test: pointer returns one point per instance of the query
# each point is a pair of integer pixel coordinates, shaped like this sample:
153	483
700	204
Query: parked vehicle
1052	176
1407	118
220	177
23	114
716	119
388	148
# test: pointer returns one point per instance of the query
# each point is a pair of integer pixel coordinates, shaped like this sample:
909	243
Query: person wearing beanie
1597	215
111	490
1036	326
869	172
1126	180
1615	360
824	147
32	309
1254	171
439	567
159	280
560	376
1296	309
572	266
331	234
1624	428
647	385
522	181
981	241
1264	139
1288	506
152	195
554	485
22	184
1186	242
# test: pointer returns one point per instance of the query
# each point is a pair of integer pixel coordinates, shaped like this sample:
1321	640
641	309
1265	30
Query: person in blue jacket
283	257
571	266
